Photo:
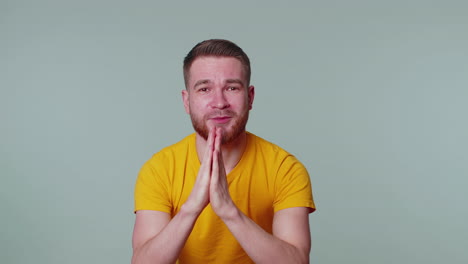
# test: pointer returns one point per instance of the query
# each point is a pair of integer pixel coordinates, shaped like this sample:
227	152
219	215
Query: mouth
221	119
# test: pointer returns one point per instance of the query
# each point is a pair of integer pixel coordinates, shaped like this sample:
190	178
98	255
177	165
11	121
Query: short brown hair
217	48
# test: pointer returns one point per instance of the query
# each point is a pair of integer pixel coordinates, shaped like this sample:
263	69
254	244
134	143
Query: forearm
261	246
165	247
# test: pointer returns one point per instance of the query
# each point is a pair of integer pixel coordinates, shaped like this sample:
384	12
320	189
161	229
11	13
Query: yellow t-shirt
266	180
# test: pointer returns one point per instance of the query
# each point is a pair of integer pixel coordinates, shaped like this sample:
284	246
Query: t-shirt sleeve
293	186
151	188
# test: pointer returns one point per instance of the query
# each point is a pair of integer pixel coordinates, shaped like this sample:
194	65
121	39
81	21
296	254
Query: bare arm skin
159	239
290	242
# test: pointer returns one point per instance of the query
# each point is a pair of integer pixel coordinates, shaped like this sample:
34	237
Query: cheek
196	107
242	103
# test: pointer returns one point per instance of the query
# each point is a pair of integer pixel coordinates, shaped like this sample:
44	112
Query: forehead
215	69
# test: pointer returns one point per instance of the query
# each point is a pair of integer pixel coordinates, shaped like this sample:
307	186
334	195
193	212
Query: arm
290	242
159	239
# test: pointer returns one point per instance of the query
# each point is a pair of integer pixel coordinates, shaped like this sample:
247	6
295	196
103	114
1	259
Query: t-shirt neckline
245	156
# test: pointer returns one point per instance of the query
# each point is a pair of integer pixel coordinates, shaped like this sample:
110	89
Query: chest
252	189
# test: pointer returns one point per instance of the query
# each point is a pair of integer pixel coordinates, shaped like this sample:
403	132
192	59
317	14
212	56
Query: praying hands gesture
158	238
211	184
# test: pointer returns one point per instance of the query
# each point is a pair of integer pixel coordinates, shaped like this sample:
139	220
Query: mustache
217	113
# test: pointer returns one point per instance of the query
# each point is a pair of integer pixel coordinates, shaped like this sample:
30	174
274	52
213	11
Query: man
221	195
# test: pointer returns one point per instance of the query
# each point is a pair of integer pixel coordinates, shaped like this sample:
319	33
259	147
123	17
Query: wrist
188	210
230	213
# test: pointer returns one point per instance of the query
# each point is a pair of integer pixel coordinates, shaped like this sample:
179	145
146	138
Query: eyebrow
235	81
206	81
200	82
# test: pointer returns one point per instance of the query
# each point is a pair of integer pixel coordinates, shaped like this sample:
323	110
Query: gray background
370	95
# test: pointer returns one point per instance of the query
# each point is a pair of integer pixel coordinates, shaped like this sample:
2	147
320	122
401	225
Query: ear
185	99
251	95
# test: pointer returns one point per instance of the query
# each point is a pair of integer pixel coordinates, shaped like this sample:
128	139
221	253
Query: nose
219	100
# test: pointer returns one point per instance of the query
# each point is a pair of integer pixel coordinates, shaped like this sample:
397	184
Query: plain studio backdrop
372	96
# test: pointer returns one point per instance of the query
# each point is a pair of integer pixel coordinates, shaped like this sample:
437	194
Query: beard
231	133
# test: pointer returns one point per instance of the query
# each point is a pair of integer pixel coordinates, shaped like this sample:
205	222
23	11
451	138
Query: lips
221	119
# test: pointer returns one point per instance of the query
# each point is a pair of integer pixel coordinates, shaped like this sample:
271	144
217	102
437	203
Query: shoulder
176	149
165	161
277	158
264	146
167	156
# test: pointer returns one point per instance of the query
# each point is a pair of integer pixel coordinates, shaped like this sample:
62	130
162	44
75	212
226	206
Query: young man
221	195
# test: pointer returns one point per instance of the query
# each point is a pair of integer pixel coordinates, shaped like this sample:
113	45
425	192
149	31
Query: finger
217	159
218	138
217	152
211	140
206	165
206	159
215	168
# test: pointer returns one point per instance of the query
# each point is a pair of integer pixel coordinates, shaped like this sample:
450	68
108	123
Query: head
217	48
217	77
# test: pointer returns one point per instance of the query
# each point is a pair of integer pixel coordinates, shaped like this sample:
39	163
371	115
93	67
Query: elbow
303	259
293	254
302	256
140	257
134	258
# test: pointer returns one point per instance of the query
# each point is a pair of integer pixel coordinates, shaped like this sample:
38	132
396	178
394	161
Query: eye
203	89
233	88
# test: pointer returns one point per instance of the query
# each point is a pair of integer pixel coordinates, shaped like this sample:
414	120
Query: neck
232	152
